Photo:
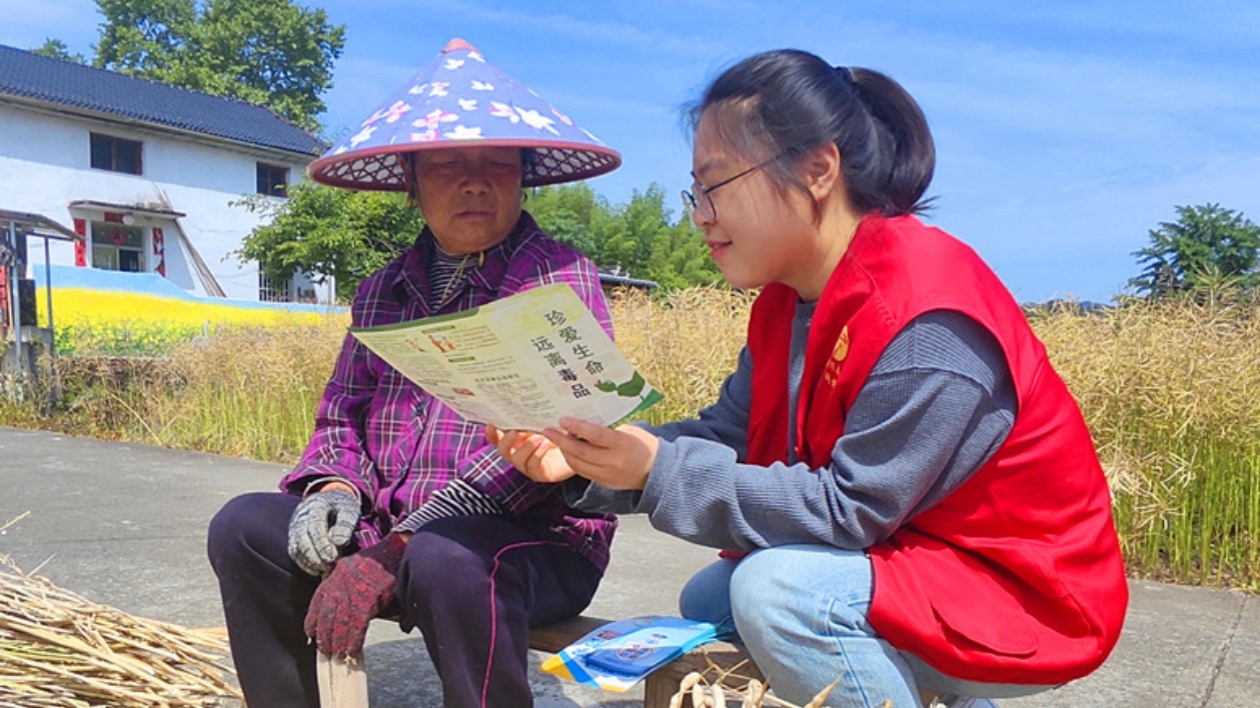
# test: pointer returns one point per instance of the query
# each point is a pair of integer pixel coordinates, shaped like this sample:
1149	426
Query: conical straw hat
458	99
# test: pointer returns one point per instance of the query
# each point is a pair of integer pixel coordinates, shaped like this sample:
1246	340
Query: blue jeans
801	612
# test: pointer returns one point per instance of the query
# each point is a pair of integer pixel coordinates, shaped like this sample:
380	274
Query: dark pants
473	586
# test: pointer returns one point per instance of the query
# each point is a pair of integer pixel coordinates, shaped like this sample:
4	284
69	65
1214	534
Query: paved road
124	525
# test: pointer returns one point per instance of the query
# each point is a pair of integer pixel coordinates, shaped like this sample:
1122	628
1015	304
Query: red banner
159	251
4	297
80	247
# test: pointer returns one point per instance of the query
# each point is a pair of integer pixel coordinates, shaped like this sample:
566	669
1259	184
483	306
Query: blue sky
1064	130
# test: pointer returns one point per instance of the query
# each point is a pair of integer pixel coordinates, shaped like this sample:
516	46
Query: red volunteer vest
1017	576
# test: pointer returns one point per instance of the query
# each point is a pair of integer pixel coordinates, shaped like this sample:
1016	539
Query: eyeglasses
704	208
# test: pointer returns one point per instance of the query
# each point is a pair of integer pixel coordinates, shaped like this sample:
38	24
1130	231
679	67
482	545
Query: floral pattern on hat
459	97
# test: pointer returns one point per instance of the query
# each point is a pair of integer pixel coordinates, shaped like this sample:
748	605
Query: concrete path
124	525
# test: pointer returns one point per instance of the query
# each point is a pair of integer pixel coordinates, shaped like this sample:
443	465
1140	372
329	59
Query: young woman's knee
776	589
759	595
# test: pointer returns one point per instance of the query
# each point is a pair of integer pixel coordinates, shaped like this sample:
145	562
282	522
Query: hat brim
380	169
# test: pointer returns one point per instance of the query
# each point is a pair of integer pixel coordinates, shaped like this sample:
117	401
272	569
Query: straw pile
716	687
58	649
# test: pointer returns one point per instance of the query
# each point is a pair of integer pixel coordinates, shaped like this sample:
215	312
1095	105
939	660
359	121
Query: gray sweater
938	403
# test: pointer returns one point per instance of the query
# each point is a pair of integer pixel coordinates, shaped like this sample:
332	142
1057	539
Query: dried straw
58	649
716	687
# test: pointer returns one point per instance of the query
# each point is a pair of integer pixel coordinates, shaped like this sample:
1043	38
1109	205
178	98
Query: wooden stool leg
342	684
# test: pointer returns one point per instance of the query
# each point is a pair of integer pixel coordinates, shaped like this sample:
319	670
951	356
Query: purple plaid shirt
398	445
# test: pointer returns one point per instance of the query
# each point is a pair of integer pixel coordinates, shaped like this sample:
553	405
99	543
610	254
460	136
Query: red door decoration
80	246
4	298
159	251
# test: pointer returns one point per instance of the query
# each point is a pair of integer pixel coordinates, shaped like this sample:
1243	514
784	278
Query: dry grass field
1171	392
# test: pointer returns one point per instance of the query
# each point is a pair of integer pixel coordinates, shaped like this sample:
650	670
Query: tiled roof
80	88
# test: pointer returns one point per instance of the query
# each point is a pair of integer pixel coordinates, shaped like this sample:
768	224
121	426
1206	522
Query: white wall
45	164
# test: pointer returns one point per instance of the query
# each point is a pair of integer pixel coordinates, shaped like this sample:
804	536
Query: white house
147	172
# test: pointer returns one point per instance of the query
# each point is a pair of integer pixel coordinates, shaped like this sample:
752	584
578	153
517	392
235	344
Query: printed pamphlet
618	655
520	363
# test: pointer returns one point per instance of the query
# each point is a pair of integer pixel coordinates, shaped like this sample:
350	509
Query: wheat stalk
710	689
59	649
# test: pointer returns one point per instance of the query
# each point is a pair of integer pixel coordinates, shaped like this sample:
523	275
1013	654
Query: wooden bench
344	685
662	684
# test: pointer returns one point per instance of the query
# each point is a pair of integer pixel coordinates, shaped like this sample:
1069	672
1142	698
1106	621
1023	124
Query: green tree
641	246
573	214
1204	247
56	49
146	38
270	52
279	52
689	260
325	231
637	237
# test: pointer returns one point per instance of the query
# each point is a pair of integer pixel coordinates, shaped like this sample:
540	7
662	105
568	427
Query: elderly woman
398	503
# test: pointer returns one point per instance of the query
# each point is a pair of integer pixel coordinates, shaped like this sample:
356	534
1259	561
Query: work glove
359	587
321	524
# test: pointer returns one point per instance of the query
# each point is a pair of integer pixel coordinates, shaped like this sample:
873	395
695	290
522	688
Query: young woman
908	496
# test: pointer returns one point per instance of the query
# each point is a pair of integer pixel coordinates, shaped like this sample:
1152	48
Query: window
117	247
272	180
115	154
267	292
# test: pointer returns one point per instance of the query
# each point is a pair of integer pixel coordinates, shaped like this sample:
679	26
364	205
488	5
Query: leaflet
519	363
618	655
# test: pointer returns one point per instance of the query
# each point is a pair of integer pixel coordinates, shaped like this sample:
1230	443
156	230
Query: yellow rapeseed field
117	322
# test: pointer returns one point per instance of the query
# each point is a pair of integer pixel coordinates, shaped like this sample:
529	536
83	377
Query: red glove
357	589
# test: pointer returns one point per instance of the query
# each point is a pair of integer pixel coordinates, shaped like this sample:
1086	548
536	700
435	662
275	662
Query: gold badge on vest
831	373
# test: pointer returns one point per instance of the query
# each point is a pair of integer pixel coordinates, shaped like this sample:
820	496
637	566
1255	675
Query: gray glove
321	525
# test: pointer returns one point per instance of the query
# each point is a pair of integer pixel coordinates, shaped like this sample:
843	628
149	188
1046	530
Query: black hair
408	160
785	103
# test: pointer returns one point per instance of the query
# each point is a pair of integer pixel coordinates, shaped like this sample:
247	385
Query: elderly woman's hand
617	458
534	455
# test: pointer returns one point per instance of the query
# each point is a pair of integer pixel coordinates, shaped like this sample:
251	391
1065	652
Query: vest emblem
838	354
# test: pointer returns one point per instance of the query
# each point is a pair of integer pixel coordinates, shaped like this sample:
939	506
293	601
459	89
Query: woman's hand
534	455
617	458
